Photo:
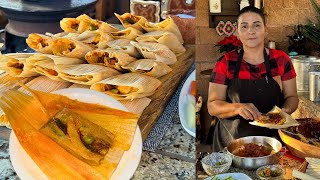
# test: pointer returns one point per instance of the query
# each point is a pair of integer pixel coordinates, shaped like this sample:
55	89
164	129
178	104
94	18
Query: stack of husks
72	139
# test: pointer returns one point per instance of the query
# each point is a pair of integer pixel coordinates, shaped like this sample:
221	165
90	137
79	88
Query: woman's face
251	30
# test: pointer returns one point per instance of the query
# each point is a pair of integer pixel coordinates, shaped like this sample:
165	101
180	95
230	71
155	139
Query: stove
37	16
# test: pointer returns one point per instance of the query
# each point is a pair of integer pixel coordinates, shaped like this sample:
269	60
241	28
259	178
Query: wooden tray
161	97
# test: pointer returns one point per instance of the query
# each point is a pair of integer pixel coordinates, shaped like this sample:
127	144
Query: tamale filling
43	42
75	26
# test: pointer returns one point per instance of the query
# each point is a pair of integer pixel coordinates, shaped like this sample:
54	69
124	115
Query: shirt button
254	82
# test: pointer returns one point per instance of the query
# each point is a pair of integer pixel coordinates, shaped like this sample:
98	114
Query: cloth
263	93
163	124
224	69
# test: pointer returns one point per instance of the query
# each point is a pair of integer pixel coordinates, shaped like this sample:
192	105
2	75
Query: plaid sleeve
219	72
288	69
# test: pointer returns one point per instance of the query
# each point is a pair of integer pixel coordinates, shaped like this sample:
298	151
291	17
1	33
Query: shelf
229	12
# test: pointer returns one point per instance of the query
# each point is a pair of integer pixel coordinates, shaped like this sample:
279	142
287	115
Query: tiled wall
281	17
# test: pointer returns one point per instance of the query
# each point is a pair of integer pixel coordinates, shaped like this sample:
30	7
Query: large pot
254	162
302	66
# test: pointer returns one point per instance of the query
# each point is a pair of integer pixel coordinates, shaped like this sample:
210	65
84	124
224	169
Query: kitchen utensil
302	66
254	162
314	86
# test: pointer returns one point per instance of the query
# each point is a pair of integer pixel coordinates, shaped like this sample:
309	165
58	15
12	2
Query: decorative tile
220	27
228	28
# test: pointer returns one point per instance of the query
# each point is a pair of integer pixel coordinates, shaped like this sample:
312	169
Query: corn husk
166	25
101	57
122	45
70	48
80	86
137	20
86	74
62	163
44	84
104	39
128	33
137	105
40	43
34	59
84	23
44	64
148	67
88	37
69	25
8	82
15	65
156	51
163	37
143	85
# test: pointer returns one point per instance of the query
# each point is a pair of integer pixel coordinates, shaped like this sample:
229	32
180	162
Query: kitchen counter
173	159
306	109
286	162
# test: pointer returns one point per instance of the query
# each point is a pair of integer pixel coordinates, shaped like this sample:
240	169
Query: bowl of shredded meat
252	152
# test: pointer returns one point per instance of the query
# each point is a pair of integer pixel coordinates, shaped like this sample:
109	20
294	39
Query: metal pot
302	65
254	162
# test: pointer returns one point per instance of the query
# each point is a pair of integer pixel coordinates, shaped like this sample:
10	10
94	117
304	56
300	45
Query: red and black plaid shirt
224	68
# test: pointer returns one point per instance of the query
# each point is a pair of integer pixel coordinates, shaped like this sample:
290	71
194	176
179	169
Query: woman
249	82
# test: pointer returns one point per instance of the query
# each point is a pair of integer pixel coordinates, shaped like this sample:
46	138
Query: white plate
183	101
27	169
237	176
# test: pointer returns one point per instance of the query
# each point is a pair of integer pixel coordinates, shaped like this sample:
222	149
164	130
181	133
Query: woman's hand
248	111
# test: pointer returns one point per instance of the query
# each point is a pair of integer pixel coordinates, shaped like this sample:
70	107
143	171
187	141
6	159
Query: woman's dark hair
253	10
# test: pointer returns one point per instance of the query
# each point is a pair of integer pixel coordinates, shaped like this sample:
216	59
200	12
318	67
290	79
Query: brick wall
281	16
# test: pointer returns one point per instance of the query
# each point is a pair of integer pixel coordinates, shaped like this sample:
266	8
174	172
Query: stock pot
302	64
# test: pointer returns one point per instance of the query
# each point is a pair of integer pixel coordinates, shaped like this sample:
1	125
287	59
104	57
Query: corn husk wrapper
97	56
107	28
8	82
69	25
35	58
166	25
52	159
88	37
57	35
40	43
122	45
289	121
15	65
44	64
80	86
86	74
104	39
70	48
144	85
163	37
148	67
156	51
128	33
128	17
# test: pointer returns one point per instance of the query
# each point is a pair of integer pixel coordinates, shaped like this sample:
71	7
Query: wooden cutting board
159	100
162	96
